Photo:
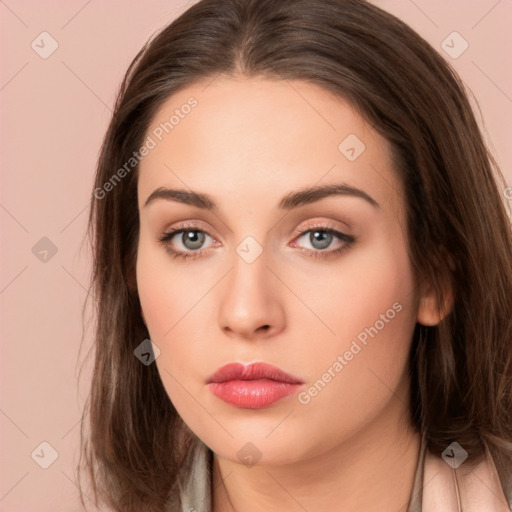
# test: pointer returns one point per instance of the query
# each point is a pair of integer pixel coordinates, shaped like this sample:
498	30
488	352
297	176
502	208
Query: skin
248	143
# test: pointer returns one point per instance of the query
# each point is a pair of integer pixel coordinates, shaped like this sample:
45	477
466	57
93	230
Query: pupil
320	239
193	239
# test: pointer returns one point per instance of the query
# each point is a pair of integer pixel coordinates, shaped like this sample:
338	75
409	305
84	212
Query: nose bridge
250	266
250	300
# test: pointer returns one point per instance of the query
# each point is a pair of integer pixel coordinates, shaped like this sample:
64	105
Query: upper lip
239	371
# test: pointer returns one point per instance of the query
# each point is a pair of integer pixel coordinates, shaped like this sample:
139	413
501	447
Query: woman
303	270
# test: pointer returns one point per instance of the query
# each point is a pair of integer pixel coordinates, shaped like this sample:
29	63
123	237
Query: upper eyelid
327	226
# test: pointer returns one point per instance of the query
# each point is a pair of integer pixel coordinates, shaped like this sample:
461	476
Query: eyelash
349	240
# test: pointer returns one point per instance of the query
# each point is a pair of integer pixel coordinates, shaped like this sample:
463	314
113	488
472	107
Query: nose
251	305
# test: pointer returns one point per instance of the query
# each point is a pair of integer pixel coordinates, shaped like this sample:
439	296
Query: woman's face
316	284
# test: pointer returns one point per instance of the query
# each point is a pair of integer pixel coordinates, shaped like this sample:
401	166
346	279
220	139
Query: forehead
253	139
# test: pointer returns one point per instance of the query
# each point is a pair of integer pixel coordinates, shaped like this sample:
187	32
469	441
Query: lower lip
252	394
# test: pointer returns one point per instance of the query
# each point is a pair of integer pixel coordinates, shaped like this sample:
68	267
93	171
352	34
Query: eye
320	238
189	242
192	240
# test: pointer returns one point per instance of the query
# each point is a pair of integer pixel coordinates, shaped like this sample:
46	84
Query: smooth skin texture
247	144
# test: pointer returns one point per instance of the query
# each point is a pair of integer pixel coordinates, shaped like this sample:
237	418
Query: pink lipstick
254	386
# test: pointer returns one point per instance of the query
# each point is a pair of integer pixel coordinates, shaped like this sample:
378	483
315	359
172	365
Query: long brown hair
133	441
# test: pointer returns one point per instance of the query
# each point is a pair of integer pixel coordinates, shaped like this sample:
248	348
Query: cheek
166	293
174	303
167	302
370	306
371	289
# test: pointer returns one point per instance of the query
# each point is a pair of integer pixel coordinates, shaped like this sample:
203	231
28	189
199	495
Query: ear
430	312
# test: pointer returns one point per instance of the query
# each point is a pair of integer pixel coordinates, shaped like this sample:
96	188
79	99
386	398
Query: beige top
438	487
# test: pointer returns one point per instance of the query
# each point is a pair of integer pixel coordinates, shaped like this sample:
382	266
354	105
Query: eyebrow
292	200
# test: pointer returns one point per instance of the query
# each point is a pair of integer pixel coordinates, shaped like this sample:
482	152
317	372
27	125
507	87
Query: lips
255	371
252	387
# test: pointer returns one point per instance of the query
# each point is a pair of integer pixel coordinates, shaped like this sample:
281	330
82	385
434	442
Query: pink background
54	114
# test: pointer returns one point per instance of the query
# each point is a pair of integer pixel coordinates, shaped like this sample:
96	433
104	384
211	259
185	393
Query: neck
372	470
